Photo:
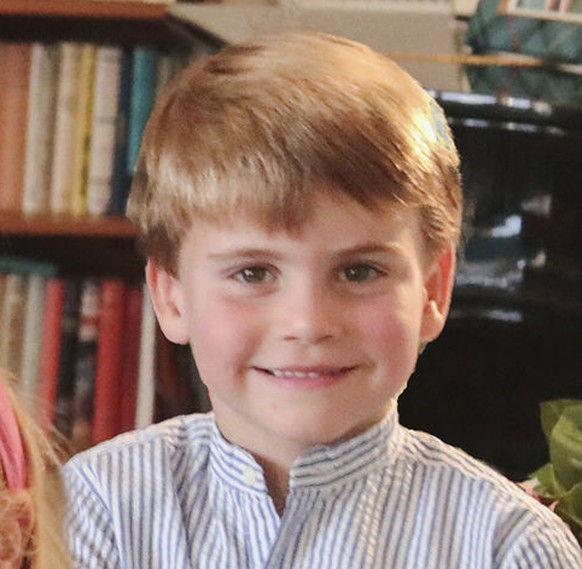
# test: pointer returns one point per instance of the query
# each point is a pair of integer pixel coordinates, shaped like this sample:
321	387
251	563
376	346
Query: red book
111	344
15	61
131	350
176	389
50	351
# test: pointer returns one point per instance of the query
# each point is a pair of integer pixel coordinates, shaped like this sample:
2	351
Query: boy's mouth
307	372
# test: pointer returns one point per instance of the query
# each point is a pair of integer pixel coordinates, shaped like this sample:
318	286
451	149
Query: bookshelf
82	247
63	225
94	10
125	23
88	20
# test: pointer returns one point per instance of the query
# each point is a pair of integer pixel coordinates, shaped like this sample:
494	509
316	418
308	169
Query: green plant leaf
550	412
570	510
566	446
547	486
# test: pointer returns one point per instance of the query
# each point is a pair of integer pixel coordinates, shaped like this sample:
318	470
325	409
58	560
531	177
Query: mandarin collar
323	466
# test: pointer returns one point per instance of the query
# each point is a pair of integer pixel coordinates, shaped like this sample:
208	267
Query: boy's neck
277	481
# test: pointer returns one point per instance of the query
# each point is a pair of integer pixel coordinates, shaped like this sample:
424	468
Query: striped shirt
178	495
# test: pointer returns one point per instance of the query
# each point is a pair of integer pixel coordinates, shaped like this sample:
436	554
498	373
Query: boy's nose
310	315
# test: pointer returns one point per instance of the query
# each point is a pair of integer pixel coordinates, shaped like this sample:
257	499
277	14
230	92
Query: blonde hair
46	548
255	129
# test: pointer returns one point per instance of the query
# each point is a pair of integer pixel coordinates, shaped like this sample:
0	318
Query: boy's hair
255	129
46	548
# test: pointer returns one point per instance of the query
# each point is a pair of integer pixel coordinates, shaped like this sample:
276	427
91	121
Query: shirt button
249	476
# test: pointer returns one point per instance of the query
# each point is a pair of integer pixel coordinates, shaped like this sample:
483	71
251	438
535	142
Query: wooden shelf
77	245
65	225
83	9
96	21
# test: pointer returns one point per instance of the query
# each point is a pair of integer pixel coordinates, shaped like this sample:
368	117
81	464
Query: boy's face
304	338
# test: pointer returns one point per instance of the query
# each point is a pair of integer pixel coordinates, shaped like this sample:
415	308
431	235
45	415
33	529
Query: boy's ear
438	287
168	302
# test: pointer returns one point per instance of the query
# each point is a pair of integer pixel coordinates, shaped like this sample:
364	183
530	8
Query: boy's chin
334	430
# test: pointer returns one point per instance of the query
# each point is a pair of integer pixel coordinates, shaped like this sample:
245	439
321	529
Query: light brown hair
46	547
256	128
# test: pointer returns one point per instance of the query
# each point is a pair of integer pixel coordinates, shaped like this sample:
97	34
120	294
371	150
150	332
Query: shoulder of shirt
191	432
436	455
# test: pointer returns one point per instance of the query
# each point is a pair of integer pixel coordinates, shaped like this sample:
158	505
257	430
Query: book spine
64	137
82	130
130	365
109	358
86	367
167	68
105	107
145	403
68	356
50	352
120	177
32	342
143	95
15	73
40	127
12	325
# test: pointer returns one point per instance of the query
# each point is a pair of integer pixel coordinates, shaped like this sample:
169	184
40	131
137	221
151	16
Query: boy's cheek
219	338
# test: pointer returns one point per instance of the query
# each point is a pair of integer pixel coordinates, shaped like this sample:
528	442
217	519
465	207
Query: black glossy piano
514	337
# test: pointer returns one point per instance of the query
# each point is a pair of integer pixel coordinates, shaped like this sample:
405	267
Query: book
70	316
169	63
85	367
144	78
62	168
131	349
106	414
33	333
12	324
50	351
40	129
21	320
144	412
82	130
103	128
179	389
121	176
15	73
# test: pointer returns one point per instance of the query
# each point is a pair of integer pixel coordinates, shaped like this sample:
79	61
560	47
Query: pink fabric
12	458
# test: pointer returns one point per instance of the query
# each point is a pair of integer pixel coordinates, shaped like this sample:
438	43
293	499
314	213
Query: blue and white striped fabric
177	495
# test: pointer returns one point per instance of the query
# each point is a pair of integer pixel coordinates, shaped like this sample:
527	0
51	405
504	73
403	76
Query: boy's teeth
295	374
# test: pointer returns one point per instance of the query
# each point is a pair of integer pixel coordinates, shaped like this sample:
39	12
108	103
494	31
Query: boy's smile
304	338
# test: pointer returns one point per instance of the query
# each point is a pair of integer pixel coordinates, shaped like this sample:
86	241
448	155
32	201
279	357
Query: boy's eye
254	275
359	273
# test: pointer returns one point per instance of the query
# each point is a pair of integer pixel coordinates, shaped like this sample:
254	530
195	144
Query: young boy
298	201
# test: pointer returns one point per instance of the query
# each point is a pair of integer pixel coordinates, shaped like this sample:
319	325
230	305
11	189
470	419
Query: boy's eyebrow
259	253
244	252
370	247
